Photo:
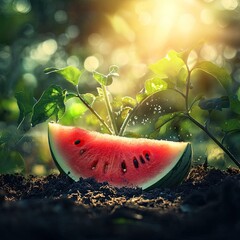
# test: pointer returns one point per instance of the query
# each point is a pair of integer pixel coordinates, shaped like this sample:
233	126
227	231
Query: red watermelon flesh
120	161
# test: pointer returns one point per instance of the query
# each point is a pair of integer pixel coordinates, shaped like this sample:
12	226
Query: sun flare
141	32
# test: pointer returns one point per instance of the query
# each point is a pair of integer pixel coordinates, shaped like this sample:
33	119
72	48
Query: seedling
176	93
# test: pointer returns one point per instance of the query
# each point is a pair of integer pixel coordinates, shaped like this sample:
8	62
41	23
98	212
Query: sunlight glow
49	47
141	32
207	16
91	63
164	16
209	52
22	6
186	23
229	4
229	52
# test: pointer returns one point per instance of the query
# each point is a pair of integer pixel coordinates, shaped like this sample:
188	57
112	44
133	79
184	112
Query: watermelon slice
120	161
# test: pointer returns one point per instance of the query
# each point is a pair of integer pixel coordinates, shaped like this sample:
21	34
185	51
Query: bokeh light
93	35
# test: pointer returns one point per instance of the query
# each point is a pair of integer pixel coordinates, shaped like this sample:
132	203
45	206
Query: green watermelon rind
60	163
175	174
171	176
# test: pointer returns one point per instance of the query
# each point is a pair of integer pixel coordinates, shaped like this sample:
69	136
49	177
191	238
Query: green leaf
50	70
11	162
181	78
70	96
25	103
184	55
214	103
128	102
238	94
141	96
113	70
100	92
75	109
162	120
70	73
125	111
51	103
9	136
234	103
221	74
148	111
102	79
89	98
231	125
106	80
154	85
168	67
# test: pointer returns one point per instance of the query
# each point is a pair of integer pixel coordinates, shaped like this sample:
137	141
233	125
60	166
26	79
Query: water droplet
147	103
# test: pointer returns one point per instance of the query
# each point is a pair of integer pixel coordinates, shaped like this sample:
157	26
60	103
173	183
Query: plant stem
109	110
187	88
129	116
198	124
230	155
127	119
93	111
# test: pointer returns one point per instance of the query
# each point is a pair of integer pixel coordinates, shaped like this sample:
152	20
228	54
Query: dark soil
205	206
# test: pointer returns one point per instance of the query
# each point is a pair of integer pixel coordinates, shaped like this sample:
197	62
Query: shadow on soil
206	206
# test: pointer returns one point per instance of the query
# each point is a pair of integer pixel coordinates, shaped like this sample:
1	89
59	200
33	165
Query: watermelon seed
142	159
94	165
147	156
82	151
135	162
124	167
105	167
77	142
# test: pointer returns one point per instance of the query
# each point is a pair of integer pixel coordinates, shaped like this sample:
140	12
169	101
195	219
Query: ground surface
205	206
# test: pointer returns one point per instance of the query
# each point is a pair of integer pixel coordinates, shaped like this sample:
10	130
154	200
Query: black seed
124	167
142	159
68	173
135	162
147	156
77	142
82	151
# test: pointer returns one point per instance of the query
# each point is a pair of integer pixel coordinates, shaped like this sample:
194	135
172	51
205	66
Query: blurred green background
94	34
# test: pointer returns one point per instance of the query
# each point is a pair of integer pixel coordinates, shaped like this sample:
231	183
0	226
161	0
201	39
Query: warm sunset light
140	32
133	35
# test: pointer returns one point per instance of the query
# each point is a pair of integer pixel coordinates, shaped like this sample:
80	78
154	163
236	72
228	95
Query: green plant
178	93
